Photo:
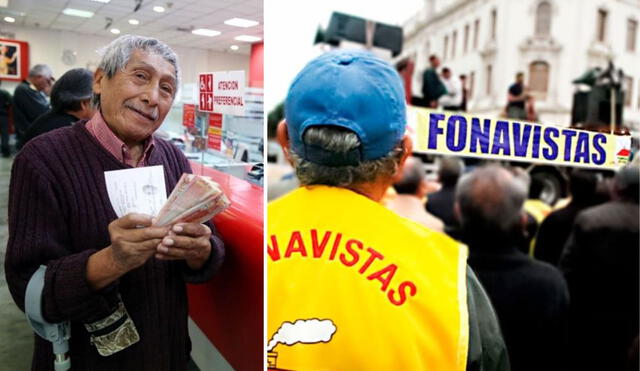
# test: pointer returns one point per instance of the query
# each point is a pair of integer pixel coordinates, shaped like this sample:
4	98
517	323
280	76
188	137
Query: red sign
189	115
206	92
215	131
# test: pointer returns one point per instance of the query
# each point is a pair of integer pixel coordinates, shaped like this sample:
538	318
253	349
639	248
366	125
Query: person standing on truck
432	86
517	98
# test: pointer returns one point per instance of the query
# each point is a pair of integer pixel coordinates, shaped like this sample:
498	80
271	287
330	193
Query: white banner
228	92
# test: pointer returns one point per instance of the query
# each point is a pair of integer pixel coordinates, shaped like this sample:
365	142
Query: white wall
46	46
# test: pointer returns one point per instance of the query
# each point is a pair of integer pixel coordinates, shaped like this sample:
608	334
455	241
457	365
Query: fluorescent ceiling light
239	22
134	22
158	9
247	38
9	19
234	47
101	1
77	13
115	31
205	32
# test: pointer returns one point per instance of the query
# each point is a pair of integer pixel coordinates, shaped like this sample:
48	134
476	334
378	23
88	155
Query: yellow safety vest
353	286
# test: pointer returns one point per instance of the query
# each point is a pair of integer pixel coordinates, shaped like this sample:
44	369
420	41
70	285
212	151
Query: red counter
229	308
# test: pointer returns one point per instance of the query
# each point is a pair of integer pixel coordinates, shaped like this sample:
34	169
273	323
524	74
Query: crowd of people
575	292
449	92
548	287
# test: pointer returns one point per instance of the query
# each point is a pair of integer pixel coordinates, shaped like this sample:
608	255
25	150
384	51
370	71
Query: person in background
119	281
440	204
30	100
411	190
465	93
554	230
5	106
432	86
453	99
335	252
70	102
600	263
516	98
530	297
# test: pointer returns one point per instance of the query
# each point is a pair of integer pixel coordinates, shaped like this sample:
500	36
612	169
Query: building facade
551	41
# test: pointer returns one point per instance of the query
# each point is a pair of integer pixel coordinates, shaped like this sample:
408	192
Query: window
489	80
466	38
446	46
472	77
539	79
476	31
453	44
543	19
601	25
494	21
628	90
632	26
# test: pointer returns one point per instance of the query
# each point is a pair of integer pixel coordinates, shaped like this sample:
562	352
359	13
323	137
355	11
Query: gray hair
413	174
338	140
116	55
40	70
449	170
491	199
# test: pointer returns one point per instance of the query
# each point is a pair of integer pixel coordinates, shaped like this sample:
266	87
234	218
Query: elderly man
530	297
352	285
30	99
600	263
411	189
70	102
120	282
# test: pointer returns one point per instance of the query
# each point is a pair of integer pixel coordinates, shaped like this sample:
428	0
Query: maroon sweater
59	211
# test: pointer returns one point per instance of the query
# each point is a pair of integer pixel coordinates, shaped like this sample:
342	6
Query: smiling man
120	282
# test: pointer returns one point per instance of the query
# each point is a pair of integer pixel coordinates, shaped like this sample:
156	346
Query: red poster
215	132
206	92
189	115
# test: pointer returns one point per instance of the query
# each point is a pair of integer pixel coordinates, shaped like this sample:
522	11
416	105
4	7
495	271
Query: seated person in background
530	297
600	263
440	204
30	99
555	228
411	189
70	102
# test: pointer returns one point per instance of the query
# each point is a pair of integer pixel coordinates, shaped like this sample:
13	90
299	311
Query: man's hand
186	241
133	242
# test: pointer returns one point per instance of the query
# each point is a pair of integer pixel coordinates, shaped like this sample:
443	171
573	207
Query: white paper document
137	190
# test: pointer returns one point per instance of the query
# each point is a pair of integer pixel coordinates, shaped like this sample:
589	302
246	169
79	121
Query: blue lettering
501	139
535	151
582	148
480	136
434	129
569	134
598	141
451	131
552	152
520	145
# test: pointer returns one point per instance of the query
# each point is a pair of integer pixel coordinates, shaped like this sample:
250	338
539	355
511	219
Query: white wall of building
569	51
47	46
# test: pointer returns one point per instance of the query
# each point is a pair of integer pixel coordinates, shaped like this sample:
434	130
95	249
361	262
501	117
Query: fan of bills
195	199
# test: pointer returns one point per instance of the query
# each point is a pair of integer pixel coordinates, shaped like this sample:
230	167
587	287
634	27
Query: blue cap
349	89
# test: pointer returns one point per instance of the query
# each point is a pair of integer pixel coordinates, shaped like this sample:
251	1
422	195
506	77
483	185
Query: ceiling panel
186	14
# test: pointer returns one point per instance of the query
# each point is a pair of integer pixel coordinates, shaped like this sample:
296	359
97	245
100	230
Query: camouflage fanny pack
114	332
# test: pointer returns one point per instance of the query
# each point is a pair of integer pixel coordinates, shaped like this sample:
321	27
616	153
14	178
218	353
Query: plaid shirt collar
109	141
